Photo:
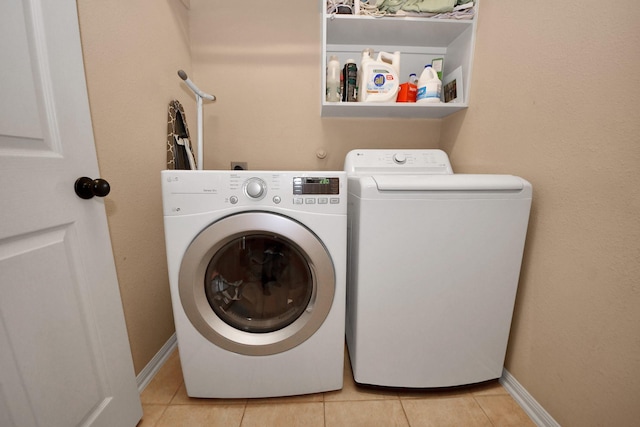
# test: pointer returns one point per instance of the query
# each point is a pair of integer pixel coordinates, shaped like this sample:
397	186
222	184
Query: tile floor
166	404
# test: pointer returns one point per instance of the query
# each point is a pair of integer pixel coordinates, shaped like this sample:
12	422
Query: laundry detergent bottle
429	86
378	80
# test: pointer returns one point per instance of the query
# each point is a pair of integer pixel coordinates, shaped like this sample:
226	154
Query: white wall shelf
390	109
419	40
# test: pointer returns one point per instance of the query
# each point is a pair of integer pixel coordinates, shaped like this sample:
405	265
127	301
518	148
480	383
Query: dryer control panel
365	162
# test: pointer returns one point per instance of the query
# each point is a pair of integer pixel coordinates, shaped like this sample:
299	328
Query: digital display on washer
316	185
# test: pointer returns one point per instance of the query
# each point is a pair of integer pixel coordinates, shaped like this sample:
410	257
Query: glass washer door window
256	283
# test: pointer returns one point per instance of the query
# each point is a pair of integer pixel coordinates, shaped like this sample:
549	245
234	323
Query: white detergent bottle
333	79
429	86
366	58
379	80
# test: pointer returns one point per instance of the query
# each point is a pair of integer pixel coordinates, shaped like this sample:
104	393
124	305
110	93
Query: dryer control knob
255	188
399	158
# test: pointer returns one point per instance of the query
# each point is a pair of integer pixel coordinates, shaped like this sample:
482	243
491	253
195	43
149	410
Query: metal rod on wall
199	96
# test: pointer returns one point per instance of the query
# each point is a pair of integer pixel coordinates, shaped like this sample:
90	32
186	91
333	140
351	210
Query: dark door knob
86	188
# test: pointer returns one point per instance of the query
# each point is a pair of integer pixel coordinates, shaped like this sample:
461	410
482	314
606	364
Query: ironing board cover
179	151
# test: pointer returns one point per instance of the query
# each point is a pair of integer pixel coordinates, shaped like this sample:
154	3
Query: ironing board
179	151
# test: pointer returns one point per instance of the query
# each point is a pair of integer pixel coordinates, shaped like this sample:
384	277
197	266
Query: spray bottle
350	81
333	79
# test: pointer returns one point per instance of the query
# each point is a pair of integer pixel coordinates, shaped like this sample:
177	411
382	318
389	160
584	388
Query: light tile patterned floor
166	404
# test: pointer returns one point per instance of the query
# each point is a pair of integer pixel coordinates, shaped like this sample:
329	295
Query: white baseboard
146	375
535	411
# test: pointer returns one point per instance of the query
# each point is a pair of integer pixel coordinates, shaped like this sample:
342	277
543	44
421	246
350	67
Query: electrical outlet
239	166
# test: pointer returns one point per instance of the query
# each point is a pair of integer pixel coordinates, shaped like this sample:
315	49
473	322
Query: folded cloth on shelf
419	6
433	6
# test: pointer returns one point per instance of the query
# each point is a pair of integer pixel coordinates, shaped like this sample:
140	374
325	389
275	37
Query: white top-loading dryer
433	266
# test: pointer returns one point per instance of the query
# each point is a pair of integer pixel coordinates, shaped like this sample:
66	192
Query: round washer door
256	283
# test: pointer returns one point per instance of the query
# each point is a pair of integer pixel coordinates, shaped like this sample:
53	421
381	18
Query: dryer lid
457	182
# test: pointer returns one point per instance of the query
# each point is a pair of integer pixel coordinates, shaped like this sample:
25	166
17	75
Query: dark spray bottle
350	81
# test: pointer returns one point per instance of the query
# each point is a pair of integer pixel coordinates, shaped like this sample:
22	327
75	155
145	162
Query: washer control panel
187	192
429	161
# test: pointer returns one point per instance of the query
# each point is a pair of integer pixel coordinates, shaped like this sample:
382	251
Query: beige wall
263	64
132	52
553	99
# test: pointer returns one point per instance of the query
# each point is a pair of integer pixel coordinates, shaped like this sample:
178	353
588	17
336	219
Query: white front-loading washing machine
257	269
433	268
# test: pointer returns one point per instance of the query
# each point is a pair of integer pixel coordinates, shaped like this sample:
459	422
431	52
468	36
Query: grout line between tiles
175	393
244	412
404	411
161	415
324	411
483	410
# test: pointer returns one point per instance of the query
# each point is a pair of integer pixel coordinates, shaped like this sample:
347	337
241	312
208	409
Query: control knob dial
400	158
255	188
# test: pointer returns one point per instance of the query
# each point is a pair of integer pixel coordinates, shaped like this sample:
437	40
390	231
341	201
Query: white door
64	354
